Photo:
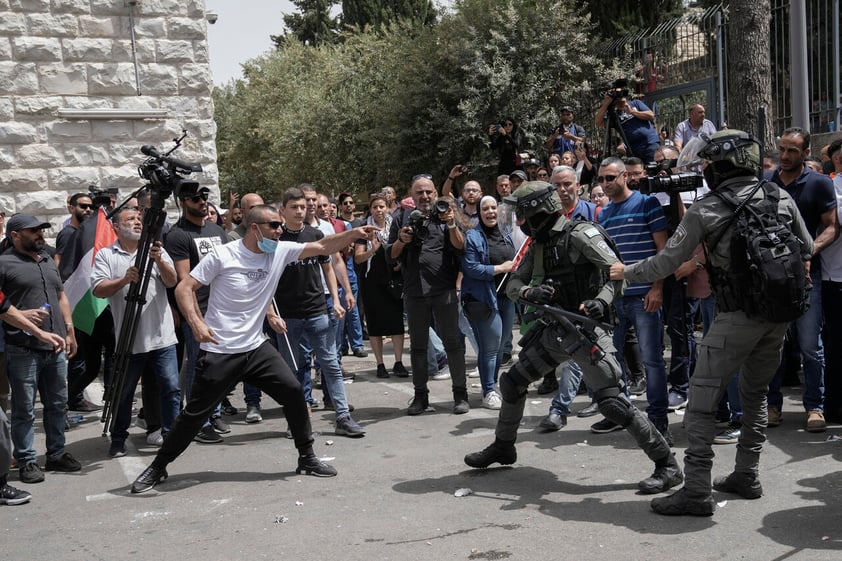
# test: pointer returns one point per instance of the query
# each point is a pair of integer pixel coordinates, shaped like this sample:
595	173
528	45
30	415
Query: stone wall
58	56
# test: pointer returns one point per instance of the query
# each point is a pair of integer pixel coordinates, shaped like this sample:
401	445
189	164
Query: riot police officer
736	340
566	266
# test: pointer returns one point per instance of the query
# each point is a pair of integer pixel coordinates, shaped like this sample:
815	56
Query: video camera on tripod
164	173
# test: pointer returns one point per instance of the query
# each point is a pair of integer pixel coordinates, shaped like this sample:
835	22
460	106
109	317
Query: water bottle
45	307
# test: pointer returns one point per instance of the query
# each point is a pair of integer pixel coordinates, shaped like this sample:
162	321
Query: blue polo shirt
814	195
632	223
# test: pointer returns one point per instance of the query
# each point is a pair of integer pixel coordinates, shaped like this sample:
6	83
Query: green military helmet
534	197
729	153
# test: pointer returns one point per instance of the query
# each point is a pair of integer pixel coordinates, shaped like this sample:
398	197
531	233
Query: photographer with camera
566	135
633	118
505	140
428	242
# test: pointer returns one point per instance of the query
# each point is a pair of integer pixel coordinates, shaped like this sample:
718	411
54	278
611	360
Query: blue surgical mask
265	244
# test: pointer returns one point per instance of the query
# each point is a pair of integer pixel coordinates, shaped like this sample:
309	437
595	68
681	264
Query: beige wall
59	55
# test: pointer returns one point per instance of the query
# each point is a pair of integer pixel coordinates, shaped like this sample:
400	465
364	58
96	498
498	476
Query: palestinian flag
77	264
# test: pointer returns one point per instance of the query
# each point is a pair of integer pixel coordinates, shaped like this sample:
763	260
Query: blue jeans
165	366
490	353
809	328
507	318
30	370
350	329
435	352
320	334
191	351
650	332
570	376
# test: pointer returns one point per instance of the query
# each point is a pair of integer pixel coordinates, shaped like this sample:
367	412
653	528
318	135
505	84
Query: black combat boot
681	503
500	451
745	485
667	474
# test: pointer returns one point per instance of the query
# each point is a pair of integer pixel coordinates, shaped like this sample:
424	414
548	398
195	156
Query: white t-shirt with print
242	284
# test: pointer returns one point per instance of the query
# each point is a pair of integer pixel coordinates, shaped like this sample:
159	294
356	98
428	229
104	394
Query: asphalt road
571	494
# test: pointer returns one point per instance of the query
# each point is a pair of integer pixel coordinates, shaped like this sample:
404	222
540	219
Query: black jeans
217	374
420	312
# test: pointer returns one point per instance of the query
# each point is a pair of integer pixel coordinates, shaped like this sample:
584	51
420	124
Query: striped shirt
632	223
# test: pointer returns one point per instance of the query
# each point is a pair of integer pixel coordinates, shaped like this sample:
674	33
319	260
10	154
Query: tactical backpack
767	278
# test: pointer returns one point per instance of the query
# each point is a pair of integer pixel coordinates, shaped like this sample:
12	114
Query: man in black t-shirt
301	304
81	207
429	252
188	242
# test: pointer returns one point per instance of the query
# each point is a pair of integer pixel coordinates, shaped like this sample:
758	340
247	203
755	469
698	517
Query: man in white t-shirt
242	277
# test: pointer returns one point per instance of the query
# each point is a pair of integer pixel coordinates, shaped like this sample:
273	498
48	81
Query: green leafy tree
377	13
382	106
312	24
615	18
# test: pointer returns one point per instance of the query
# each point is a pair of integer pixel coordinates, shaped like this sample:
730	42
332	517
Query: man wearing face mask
242	277
565	267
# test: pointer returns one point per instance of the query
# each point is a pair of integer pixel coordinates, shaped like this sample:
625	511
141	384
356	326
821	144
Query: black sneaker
665	477
419	405
31	473
553	422
65	462
227	408
605	426
311	465
381	371
360	353
117	449
499	452
745	485
638	386
220	426
461	406
208	436
680	504
13	496
150	477
346	426
400	370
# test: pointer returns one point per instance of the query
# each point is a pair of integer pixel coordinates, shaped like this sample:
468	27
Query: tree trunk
749	71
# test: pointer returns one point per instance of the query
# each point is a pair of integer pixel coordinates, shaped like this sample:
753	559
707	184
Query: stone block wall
60	55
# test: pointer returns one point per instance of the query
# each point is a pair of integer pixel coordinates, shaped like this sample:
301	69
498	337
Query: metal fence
684	61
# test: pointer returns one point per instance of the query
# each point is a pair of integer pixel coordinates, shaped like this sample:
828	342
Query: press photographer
632	119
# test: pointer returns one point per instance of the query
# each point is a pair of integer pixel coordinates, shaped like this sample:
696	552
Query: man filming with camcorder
632	118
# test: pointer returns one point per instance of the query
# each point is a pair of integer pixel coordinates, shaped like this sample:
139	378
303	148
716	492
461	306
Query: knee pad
617	410
511	387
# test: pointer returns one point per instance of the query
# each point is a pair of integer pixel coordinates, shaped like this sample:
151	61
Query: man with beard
189	241
31	282
81	207
155	340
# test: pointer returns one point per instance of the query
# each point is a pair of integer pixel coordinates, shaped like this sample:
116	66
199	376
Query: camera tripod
153	222
615	125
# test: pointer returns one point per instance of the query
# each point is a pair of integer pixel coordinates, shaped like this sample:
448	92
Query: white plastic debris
464	492
328	443
722	504
299	503
281	520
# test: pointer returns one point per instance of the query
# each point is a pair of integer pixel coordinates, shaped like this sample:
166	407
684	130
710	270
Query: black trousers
217	374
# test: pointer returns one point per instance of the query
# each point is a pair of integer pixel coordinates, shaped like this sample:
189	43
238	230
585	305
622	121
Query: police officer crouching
737	340
566	266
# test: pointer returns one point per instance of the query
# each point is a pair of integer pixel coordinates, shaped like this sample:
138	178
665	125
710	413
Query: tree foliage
312	24
615	18
377	13
381	107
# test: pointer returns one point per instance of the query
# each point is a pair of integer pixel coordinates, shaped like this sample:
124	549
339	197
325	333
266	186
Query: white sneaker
492	400
443	374
474	373
155	438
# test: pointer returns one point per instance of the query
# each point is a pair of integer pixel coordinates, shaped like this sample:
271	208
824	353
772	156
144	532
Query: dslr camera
419	225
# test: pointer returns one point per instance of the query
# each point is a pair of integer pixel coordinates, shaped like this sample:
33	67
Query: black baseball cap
25	222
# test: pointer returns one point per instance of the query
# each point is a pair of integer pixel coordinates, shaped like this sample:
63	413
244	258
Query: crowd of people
274	296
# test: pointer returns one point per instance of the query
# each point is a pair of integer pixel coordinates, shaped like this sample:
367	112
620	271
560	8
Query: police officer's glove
541	294
596	308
